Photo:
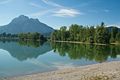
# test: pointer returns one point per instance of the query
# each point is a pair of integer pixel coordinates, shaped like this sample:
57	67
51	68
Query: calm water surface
20	58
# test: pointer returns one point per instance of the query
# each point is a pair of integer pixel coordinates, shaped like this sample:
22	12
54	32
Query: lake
26	57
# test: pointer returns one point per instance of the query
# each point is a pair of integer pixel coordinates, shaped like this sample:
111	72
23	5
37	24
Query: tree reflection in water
98	53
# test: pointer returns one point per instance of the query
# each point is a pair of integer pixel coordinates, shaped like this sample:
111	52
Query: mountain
24	24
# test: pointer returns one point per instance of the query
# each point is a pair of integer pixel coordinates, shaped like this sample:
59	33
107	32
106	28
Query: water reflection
25	50
31	43
88	52
18	57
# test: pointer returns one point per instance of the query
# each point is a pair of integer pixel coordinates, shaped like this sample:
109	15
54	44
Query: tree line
8	36
31	36
23	36
91	34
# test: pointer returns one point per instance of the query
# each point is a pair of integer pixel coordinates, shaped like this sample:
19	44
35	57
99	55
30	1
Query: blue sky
57	13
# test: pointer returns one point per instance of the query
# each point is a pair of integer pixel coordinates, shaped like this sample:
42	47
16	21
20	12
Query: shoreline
100	71
77	42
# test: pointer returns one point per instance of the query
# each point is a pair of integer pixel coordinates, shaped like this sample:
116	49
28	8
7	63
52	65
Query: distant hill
24	24
110	28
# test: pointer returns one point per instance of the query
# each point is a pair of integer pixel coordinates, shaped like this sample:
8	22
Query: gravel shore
101	71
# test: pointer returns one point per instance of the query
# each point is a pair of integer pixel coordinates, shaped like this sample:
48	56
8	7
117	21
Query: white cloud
62	11
66	13
40	13
5	1
52	3
35	5
57	10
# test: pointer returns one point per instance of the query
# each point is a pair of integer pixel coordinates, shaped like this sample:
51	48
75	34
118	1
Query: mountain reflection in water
24	50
